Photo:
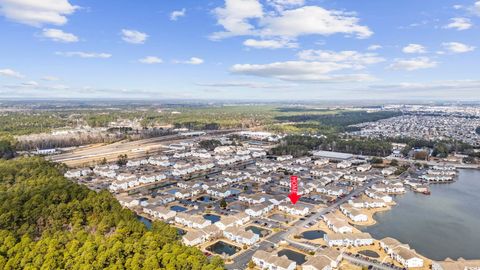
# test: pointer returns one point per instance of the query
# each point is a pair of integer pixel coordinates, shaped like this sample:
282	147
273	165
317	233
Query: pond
221	248
212	218
312	235
369	253
258	231
178	208
146	221
205	199
172	191
299	258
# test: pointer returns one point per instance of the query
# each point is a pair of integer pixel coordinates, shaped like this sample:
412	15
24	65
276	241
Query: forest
298	145
48	222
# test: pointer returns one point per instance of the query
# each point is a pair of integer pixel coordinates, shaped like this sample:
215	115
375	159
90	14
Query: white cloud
457	6
459	24
84	54
191	61
374	47
352	57
301	71
457	47
59	35
269	44
177	14
476	8
414	48
247	17
10	73
30	84
134	36
413	64
50	78
235	15
283	4
150	60
311	20
37	12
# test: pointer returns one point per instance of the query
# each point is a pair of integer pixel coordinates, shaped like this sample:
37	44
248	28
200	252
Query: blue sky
240	49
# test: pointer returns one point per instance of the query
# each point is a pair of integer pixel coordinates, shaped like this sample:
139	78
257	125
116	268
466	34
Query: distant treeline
49	222
342	119
441	148
297	146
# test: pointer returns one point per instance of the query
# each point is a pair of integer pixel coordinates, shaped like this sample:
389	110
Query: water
178	208
444	224
205	199
212	218
299	258
312	235
258	231
221	247
369	253
146	221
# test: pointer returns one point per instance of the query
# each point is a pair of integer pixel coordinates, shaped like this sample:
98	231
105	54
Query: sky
241	49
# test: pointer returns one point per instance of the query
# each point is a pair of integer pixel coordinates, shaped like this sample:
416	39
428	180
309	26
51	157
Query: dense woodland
297	146
48	222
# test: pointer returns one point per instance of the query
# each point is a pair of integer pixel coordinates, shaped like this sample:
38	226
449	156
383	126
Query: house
160	212
193	238
401	252
389	171
321	162
283	158
252	198
298	209
344	164
378	195
337	224
219	193
267	260
353	213
325	259
259	209
460	264
240	236
192	221
364	167
348	239
232	221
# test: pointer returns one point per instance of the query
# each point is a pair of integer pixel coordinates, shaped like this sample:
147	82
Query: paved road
242	260
368	263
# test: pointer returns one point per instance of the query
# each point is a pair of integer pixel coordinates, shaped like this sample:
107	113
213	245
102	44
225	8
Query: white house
241	236
348	239
298	209
259	209
353	213
267	260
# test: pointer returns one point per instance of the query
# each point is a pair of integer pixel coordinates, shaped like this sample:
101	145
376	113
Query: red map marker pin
294	189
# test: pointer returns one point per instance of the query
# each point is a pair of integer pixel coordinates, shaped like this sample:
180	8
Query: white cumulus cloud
413	64
37	12
352	57
414	48
374	47
7	72
59	35
459	24
457	47
84	54
150	60
177	14
134	36
247	17
191	61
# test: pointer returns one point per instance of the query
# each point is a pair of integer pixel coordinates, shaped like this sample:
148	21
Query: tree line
49	222
297	145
